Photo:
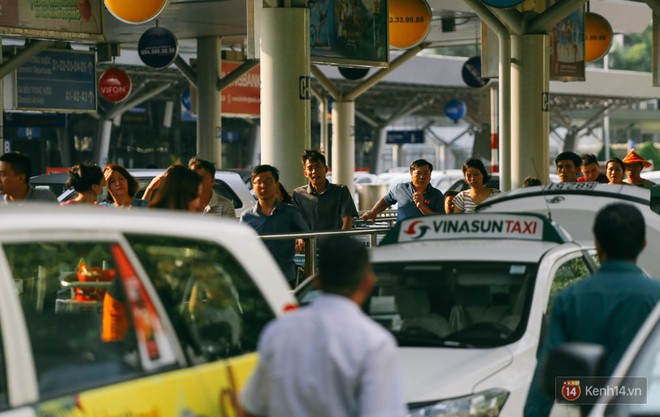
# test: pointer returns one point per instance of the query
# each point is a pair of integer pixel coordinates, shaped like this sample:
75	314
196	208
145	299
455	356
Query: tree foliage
635	53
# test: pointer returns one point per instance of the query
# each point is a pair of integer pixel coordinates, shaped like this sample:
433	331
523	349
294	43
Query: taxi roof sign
526	226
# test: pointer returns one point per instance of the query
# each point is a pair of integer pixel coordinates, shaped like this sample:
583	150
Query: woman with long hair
122	188
87	181
180	189
476	177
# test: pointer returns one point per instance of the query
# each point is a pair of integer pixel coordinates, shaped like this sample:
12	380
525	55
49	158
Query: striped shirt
464	202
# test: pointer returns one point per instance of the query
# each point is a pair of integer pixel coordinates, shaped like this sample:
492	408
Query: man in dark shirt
270	216
607	308
324	206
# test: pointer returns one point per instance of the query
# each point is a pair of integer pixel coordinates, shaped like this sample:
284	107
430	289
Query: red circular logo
571	390
115	84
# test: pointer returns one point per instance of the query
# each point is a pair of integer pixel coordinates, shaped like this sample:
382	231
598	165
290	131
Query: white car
227	183
574	207
466	296
129	312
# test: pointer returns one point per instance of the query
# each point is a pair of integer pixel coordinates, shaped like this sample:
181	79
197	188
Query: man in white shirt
328	359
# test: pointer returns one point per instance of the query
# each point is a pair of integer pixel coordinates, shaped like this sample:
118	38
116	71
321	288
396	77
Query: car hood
431	374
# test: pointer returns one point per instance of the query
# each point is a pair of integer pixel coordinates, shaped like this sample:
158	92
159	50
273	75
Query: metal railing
373	232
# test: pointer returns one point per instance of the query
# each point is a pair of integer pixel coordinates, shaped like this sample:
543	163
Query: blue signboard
158	47
57	80
404	136
471	73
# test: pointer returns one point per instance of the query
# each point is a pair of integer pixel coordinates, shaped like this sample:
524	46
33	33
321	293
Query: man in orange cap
634	165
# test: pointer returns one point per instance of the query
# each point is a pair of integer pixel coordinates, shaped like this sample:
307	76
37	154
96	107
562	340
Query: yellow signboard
135	12
409	22
597	37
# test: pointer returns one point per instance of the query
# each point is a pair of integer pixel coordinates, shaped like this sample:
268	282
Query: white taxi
574	207
466	297
129	312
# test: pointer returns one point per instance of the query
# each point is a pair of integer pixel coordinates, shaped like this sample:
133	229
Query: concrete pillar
209	110
104	142
530	121
285	91
343	143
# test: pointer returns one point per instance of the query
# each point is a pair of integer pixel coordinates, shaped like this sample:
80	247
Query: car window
216	308
225	190
452	304
566	275
85	311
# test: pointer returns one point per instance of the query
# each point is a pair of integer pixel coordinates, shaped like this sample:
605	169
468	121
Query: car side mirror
572	360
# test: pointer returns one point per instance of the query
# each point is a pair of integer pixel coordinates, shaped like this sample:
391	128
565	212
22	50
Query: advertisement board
349	32
240	98
65	19
567	48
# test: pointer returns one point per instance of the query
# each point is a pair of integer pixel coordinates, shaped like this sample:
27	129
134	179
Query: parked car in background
651	176
130	312
227	183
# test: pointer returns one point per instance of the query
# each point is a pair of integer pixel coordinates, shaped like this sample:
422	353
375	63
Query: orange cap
632	157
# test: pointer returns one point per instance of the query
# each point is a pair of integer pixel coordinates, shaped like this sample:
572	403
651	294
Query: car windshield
452	304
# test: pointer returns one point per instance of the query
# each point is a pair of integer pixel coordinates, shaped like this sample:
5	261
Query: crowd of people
316	206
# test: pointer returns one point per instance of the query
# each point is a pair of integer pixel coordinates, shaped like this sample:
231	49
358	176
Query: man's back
607	308
328	359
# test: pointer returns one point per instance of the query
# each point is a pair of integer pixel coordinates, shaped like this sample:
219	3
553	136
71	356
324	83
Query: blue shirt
328	359
606	309
403	194
284	218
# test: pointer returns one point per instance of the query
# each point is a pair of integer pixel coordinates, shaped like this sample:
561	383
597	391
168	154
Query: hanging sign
115	85
135	12
597	36
351	73
471	73
158	47
57	80
455	109
409	22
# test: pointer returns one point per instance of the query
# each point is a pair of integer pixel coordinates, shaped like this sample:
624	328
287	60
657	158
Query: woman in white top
476	177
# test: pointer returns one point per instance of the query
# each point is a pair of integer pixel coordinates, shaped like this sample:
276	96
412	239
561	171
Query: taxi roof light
518	226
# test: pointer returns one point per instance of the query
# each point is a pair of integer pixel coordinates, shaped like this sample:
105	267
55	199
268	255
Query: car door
559	268
99	338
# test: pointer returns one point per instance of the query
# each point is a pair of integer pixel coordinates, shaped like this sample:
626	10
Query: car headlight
482	404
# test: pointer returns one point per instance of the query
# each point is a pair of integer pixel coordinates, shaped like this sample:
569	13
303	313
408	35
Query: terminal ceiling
191	19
